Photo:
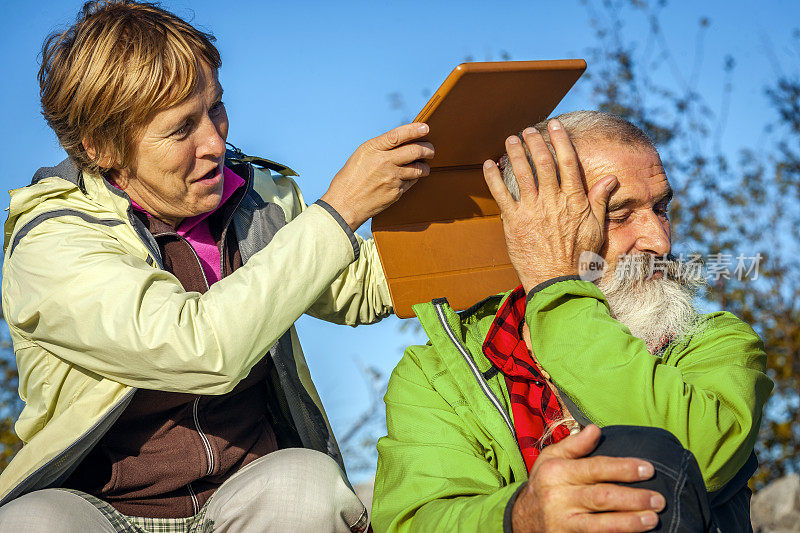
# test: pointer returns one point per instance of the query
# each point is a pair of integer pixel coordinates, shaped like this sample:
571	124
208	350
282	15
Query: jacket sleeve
432	474
360	294
708	390
78	292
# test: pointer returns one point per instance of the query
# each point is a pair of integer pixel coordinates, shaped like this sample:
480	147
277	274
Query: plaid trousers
142	524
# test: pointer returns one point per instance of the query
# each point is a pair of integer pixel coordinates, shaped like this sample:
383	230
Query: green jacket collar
458	340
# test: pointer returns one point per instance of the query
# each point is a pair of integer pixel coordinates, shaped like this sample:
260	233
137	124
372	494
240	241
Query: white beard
656	310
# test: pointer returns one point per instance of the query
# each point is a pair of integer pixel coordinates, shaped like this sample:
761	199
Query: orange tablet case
444	237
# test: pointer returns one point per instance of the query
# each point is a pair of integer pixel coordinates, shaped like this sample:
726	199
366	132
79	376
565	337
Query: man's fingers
568	166
413	151
610	469
623	522
522	168
611	497
399	136
575	446
546	171
496	186
599	195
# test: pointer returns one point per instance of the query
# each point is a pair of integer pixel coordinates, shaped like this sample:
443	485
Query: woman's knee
52	511
295	488
314	483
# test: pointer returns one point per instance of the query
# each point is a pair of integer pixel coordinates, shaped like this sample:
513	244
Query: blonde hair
104	76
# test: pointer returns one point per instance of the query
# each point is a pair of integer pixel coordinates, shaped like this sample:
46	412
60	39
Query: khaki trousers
293	489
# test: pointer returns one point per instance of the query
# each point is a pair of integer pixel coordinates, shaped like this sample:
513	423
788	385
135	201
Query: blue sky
307	81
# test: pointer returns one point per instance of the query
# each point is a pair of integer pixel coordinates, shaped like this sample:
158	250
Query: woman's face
176	170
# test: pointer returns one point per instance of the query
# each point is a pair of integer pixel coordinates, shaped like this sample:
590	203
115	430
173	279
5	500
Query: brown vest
168	452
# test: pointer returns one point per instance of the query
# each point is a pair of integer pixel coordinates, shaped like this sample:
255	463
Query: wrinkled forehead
633	165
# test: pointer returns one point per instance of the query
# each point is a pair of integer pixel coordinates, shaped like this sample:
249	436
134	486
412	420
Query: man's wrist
530	293
543	275
509	515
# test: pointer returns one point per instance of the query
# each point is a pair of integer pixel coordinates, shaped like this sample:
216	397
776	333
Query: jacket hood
26	199
54	191
65	170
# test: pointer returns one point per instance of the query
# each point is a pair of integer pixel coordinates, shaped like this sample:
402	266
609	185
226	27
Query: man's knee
677	475
52	511
658	446
639	441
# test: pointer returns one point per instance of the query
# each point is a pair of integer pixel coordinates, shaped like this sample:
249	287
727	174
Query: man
479	420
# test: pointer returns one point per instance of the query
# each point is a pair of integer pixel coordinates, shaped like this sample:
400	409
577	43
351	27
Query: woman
150	287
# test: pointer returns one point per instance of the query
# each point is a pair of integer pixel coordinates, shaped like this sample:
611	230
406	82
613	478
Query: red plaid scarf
533	403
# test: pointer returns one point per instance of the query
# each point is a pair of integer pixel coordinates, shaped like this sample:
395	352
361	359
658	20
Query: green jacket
93	316
450	461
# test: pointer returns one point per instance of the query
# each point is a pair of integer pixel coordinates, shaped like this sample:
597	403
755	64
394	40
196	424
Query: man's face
656	305
636	219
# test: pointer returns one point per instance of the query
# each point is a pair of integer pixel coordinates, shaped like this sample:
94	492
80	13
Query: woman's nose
212	140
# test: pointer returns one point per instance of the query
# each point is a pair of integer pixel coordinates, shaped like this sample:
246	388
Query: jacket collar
472	324
65	170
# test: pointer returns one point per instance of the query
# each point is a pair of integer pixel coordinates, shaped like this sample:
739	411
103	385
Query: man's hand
570	492
379	172
551	225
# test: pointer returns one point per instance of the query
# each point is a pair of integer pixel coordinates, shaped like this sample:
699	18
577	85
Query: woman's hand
552	224
379	172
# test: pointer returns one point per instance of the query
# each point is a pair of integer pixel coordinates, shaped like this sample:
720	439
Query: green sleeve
432	474
708	390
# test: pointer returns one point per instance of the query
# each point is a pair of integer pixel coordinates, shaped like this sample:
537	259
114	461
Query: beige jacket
92	316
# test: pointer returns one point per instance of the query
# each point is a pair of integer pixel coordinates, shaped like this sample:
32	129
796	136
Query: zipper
194	253
195	405
147	240
224	237
473	368
195	502
206	443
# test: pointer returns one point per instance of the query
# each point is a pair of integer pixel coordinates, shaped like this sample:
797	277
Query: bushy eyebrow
666	197
616	205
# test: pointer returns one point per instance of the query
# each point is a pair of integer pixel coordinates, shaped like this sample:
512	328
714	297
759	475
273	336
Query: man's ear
105	161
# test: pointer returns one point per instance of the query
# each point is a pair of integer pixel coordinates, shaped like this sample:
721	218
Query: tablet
444	237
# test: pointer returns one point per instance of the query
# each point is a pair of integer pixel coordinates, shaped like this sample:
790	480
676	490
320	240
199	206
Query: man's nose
654	236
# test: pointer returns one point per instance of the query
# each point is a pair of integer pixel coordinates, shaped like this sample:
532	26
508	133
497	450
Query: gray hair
582	127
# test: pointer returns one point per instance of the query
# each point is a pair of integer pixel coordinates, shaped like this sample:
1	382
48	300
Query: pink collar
230	182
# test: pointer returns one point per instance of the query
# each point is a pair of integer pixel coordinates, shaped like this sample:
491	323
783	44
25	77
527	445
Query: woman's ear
104	161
